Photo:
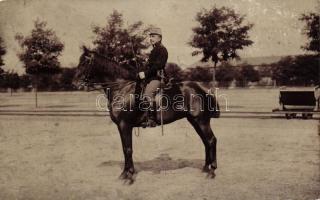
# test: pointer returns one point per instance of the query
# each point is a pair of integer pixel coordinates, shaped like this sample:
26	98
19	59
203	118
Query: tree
299	70
66	78
122	44
312	31
283	71
225	74
265	70
2	53
12	81
247	74
25	82
199	74
220	33
40	52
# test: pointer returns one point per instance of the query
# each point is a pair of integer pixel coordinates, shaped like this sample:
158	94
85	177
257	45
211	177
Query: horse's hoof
123	175
205	169
209	169
128	176
129	180
211	174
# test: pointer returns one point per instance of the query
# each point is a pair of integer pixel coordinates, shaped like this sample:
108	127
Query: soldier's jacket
157	61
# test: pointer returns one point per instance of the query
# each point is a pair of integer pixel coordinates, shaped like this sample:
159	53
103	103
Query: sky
276	32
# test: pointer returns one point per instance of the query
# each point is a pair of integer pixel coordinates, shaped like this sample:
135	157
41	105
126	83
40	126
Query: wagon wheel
309	116
305	116
288	116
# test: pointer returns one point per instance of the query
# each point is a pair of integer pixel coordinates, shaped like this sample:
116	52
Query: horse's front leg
125	131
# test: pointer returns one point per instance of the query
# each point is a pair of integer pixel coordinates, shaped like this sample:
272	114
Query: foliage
2	53
202	74
220	33
119	43
312	30
25	81
40	50
265	70
225	74
10	80
58	82
299	70
66	78
246	74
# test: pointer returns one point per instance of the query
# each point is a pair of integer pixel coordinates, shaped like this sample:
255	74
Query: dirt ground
80	157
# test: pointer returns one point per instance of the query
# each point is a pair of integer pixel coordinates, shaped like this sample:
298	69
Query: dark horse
185	99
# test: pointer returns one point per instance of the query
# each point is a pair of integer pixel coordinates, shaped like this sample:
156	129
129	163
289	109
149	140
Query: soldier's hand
142	75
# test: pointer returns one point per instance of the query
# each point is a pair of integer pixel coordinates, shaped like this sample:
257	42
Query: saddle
166	85
169	83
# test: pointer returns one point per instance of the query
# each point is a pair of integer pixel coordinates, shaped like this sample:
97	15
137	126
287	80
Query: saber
161	112
137	68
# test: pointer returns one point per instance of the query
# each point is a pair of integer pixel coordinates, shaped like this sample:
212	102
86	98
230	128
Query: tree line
219	36
62	81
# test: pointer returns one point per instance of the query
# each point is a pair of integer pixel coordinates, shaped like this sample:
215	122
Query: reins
111	60
108	84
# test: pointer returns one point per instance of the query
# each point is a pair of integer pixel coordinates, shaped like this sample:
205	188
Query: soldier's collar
157	44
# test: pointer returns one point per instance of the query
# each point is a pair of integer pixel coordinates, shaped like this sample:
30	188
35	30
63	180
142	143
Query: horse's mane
105	61
120	87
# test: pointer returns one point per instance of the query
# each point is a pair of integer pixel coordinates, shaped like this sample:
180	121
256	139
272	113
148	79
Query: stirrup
149	123
152	123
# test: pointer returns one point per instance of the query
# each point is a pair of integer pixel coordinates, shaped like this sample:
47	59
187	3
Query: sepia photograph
159	100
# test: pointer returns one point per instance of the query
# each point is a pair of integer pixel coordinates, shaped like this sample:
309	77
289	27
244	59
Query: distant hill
249	60
259	60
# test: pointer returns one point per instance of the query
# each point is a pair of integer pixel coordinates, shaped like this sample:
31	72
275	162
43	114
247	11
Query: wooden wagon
302	101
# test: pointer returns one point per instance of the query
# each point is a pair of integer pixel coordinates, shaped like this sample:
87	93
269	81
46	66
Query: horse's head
86	70
96	68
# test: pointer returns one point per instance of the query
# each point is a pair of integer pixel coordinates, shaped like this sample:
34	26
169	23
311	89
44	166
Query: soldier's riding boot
150	120
152	115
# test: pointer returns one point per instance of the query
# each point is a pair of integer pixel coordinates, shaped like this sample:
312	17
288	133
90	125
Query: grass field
44	156
236	100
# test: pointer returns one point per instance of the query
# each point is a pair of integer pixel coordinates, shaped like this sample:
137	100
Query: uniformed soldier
156	62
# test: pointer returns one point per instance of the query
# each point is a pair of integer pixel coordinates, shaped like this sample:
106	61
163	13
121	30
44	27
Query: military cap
155	31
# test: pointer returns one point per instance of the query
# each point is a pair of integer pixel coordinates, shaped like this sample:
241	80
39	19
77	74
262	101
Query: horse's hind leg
202	126
125	131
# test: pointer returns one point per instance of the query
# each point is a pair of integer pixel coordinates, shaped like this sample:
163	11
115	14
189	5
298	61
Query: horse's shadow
161	163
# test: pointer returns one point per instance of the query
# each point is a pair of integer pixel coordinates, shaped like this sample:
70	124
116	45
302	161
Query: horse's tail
215	112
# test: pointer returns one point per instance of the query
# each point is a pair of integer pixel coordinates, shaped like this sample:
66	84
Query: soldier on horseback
196	110
152	76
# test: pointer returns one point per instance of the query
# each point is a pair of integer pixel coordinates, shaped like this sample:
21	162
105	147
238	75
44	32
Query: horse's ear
85	49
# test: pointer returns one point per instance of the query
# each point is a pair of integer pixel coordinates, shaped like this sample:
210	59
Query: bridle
88	61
